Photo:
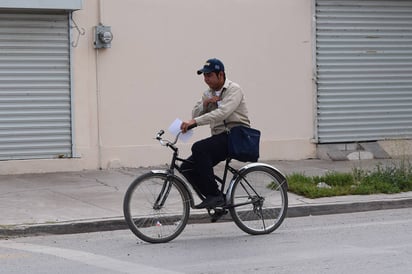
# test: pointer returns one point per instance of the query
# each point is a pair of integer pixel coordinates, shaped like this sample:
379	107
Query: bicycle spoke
259	202
156	208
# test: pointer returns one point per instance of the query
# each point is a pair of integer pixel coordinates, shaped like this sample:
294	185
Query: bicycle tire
156	224
268	190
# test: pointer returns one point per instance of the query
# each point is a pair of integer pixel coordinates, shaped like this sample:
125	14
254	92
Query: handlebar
192	126
165	142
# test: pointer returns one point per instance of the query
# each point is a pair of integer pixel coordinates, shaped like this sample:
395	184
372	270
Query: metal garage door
364	70
35	108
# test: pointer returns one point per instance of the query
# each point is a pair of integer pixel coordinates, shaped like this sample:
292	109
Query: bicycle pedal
216	214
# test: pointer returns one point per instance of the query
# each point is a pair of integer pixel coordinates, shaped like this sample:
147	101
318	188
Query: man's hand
213	100
184	126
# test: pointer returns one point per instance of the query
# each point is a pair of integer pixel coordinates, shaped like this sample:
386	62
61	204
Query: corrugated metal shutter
35	104
364	70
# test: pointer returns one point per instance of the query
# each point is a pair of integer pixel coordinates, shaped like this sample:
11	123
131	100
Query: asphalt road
367	242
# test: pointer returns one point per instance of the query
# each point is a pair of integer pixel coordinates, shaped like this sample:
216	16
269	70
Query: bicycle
157	204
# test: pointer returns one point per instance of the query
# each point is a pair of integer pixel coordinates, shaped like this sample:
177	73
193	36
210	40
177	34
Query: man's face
214	80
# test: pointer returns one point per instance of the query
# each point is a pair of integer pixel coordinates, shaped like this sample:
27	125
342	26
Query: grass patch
389	179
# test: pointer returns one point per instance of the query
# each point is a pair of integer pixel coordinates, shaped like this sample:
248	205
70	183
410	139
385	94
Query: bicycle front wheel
156	207
259	200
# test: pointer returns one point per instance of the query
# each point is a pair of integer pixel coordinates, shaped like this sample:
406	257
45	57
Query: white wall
125	94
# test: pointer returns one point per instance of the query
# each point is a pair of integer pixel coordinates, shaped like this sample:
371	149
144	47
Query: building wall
123	95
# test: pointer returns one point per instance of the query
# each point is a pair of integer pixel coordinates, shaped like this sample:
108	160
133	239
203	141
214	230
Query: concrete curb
325	209
118	223
73	227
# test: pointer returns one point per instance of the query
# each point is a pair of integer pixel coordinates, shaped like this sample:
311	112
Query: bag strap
224	121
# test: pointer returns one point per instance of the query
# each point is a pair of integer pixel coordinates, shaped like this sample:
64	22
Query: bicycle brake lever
161	132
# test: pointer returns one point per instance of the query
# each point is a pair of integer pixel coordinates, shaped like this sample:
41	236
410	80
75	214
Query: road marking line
13	256
86	258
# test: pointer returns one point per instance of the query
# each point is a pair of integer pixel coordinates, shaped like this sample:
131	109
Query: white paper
174	129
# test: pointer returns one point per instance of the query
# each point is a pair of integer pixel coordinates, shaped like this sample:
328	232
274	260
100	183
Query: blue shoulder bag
243	143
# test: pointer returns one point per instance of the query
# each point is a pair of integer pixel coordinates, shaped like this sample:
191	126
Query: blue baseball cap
212	65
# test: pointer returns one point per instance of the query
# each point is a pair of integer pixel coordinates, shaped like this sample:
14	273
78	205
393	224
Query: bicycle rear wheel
156	208
260	201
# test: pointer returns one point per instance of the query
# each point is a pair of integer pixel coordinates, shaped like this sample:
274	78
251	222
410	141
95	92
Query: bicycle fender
282	177
274	169
180	181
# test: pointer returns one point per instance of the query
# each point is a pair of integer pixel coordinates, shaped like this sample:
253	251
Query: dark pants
206	154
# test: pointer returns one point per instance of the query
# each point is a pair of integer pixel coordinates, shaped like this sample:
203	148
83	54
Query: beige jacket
232	109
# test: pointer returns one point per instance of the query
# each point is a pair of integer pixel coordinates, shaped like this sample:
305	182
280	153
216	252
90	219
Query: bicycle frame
222	181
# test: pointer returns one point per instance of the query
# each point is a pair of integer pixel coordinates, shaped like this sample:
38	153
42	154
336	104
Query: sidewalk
85	201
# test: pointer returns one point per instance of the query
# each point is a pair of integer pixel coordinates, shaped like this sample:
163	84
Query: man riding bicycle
222	106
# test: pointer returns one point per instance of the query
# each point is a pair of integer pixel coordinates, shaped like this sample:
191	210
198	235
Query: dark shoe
211	202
